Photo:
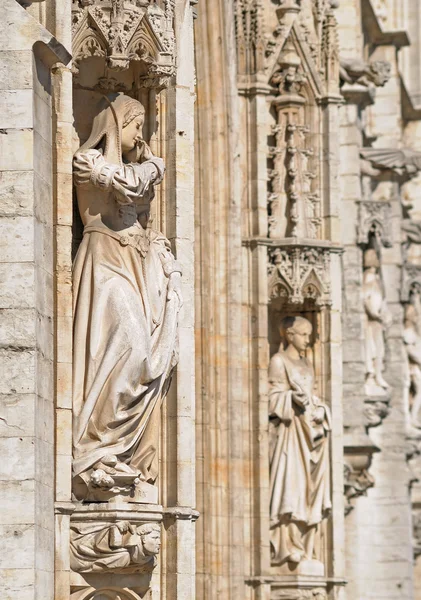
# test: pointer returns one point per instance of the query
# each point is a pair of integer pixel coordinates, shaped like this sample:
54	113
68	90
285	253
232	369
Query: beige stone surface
293	149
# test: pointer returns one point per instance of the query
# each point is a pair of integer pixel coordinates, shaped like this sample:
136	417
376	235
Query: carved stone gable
374	219
300	272
123	33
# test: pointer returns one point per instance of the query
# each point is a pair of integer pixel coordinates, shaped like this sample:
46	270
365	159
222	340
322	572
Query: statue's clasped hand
319	415
141	151
174	287
300	399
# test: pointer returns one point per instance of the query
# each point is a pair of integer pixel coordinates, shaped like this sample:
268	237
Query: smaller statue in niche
118	548
299	425
378	319
412	341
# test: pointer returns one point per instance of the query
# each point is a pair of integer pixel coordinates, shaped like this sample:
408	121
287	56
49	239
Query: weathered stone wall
27	308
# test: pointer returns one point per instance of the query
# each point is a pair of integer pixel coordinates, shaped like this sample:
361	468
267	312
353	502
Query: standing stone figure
378	319
126	301
300	490
412	341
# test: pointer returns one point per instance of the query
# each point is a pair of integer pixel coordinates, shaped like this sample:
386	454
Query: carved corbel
300	272
357	71
374	219
376	409
358	451
119	547
359	79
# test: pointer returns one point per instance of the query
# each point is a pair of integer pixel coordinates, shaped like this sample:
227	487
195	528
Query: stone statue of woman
126	301
300	491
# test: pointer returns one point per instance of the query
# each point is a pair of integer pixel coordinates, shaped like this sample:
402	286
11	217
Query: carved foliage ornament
299	273
123	31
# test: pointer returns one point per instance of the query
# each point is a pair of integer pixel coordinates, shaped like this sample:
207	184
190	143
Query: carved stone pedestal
299	588
113	550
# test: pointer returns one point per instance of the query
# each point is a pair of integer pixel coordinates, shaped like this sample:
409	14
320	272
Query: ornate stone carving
378	319
120	547
300	273
358	450
299	426
127	297
355	70
356	483
125	32
249	29
374	219
404	161
294	203
376	410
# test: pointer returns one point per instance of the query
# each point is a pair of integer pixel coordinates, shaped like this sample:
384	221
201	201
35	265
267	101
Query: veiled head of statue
296	331
116	127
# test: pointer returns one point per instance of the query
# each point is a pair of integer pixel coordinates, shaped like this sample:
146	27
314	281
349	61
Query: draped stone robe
299	458
125	327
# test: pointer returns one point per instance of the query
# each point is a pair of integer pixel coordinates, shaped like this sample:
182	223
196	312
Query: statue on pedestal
299	422
378	319
126	303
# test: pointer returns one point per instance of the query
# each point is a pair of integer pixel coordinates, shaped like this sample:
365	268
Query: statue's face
132	133
152	542
299	336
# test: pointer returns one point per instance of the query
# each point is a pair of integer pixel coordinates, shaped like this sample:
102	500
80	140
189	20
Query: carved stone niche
299	272
358	452
122	44
113	551
374	219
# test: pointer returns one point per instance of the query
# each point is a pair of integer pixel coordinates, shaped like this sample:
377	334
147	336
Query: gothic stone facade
210	299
